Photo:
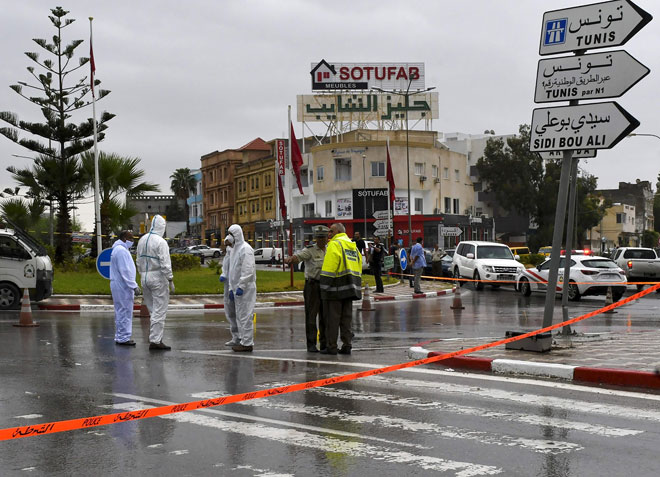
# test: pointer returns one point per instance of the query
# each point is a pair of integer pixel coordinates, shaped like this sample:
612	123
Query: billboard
329	76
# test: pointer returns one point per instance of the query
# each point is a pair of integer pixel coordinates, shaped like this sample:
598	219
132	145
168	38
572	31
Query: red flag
296	159
390	175
282	202
91	64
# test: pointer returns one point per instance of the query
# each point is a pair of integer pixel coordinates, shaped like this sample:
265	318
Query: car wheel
616	296
478	285
525	288
573	292
216	254
10	298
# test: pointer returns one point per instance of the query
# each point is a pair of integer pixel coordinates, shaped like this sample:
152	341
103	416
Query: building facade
616	229
640	195
150	205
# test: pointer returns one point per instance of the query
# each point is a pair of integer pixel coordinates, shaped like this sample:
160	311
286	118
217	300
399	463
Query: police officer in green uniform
313	256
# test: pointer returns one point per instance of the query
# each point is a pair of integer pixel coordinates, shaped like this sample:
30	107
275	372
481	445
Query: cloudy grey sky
188	78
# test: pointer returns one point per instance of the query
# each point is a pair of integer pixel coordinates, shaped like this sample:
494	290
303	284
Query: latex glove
171	287
239	291
137	291
231	295
223	279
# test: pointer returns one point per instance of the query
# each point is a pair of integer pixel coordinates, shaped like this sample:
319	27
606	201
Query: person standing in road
436	260
418	261
242	288
228	297
359	242
376	255
341	283
155	267
123	287
313	257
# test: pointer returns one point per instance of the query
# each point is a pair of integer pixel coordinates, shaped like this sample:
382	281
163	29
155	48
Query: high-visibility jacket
341	274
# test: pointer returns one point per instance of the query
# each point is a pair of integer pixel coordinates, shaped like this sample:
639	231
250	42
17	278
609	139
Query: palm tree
183	183
118	176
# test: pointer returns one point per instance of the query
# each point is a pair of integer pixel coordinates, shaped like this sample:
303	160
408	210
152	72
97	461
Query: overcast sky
188	78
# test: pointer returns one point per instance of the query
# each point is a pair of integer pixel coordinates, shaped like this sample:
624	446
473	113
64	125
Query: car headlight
488	268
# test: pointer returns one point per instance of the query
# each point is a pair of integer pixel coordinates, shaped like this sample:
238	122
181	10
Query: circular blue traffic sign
403	259
103	263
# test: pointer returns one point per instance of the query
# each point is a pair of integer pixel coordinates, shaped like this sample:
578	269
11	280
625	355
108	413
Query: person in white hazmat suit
230	308
155	267
242	279
123	287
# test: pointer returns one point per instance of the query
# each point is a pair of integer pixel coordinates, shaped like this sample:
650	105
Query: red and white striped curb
581	374
217	306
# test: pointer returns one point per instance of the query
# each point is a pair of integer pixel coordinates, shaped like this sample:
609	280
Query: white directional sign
383	224
589	126
381	214
599	25
594	76
577	153
450	231
381	232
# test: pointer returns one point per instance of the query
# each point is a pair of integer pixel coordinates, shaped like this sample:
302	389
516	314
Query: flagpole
290	195
97	200
389	204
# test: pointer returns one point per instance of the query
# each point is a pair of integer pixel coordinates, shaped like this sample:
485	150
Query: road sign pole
566	330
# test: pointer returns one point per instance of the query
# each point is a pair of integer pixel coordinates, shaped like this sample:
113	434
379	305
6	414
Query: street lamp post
406	95
364	194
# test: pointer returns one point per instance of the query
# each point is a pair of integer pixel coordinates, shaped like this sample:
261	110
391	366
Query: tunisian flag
296	159
281	192
390	176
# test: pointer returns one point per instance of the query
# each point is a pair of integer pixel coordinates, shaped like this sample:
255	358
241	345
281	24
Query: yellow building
617	229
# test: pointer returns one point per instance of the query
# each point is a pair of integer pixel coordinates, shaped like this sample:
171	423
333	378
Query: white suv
485	261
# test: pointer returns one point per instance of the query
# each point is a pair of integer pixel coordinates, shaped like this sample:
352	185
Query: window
308	210
253	207
377	169
620	218
447	205
267	180
434	171
256	182
457	209
342	170
445	173
328	208
457	175
304	176
419	205
319	173
419	168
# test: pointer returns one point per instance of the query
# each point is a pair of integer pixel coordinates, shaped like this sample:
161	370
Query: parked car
520	251
205	251
485	261
545	251
174	250
446	262
450	252
640	264
588	276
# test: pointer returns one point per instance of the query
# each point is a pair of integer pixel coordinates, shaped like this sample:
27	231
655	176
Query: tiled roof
255	145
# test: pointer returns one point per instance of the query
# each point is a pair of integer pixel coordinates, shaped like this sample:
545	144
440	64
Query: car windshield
604	263
491	251
446	258
647	254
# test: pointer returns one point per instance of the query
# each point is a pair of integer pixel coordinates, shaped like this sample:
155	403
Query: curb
218	306
578	374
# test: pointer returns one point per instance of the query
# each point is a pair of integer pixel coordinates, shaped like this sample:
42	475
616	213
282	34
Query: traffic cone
26	311
366	300
609	300
457	303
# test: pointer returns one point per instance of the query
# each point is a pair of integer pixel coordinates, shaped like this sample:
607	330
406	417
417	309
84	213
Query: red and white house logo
362	76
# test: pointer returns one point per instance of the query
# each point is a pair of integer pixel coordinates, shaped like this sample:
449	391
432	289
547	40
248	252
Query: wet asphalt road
419	422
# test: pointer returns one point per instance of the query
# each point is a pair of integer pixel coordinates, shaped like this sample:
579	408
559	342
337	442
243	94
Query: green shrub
215	265
184	261
532	259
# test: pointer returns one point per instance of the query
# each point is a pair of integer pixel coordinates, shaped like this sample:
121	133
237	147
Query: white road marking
324	443
438	372
29	416
449	432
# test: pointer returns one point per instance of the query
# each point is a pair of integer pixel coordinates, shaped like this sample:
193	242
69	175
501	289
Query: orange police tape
87	422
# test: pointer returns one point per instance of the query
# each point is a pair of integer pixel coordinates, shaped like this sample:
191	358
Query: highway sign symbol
594	76
450	231
589	126
103	263
577	154
403	258
381	214
587	27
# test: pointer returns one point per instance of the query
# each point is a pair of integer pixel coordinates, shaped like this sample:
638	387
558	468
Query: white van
265	255
24	263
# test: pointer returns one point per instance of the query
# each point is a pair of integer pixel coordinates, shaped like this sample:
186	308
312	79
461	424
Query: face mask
129	244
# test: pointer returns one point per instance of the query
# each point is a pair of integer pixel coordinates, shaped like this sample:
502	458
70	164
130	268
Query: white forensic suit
230	304
242	284
155	267
122	287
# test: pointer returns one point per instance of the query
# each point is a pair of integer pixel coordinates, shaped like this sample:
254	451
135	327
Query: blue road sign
403	258
103	263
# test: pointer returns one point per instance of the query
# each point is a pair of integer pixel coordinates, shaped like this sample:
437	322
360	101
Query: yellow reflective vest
341	274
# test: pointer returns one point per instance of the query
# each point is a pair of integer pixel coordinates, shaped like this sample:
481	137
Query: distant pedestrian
376	255
155	267
313	257
341	283
418	261
436	260
359	242
242	288
123	287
